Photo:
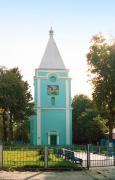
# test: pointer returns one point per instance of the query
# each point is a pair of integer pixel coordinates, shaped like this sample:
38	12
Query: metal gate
102	156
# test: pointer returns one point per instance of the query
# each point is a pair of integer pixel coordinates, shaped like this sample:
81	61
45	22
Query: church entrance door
53	140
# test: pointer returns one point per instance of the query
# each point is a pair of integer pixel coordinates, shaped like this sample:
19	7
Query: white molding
38	127
40	77
57	139
67	94
67	114
48	139
53	133
38	91
47	77
60	108
38	115
50	108
64	78
52	70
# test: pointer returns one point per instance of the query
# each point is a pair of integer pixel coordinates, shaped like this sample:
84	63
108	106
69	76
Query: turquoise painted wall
60	100
33	130
51	119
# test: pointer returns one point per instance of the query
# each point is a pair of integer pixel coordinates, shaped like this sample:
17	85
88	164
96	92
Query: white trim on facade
52	70
67	94
38	127
64	78
38	115
67	114
46	77
44	108
60	108
57	139
48	139
38	89
53	133
40	77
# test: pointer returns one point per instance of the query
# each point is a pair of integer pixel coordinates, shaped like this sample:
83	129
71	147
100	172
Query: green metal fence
40	157
102	156
59	157
65	157
23	157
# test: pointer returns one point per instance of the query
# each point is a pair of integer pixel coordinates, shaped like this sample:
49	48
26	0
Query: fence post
1	155
88	156
46	157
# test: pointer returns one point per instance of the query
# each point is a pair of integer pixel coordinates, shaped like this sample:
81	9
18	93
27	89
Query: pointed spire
51	58
51	32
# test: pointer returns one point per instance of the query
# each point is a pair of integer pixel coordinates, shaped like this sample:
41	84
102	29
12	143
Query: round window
53	78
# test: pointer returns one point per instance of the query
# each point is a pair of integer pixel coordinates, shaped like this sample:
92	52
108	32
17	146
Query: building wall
60	100
52	116
53	121
33	130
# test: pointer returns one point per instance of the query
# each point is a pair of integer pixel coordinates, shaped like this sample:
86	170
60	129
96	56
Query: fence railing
69	157
23	157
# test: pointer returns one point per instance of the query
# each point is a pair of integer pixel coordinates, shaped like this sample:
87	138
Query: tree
1	125
87	121
15	100
101	62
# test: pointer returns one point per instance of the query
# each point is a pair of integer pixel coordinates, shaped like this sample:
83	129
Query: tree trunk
10	128
4	127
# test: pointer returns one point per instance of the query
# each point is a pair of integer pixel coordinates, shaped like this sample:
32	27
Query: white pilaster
38	115
58	139
67	114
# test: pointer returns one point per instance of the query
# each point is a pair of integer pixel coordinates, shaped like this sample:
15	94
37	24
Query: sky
24	33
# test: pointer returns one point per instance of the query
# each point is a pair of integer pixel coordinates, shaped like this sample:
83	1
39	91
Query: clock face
52	78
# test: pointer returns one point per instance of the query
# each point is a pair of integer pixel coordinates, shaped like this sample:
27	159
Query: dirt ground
102	173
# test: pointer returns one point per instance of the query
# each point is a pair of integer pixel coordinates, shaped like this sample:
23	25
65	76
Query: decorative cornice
50	108
51	70
46	77
40	77
63	78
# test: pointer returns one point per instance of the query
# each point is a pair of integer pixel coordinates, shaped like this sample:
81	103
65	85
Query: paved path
106	173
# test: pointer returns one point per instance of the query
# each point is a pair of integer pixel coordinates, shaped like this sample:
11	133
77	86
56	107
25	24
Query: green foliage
101	61
87	121
15	100
81	103
1	126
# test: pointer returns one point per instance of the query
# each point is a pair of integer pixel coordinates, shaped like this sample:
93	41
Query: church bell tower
52	122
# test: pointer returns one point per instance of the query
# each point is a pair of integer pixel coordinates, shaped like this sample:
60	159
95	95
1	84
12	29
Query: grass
23	157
